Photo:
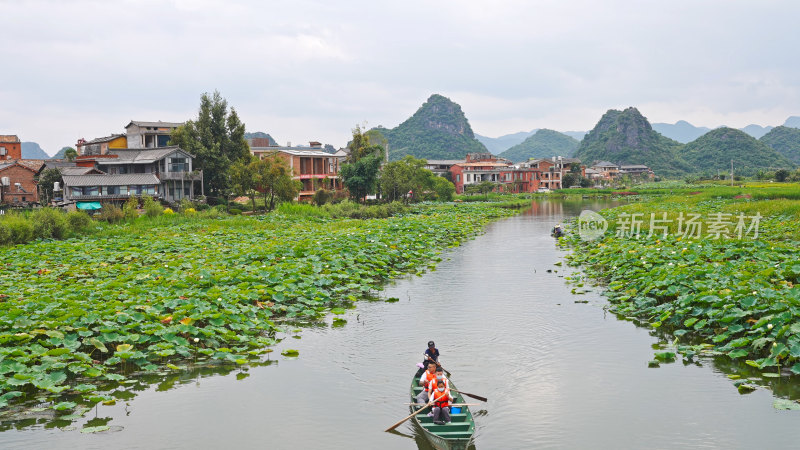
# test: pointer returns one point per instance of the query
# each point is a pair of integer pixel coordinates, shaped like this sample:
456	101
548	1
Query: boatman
441	399
428	377
431	354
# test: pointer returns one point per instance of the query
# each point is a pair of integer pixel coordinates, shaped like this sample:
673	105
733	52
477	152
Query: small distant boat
456	435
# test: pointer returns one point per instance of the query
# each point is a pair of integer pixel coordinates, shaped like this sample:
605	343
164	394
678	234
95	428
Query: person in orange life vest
427	377
441	400
439	377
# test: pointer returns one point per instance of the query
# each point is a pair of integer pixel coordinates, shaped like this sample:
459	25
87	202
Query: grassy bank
731	296
80	315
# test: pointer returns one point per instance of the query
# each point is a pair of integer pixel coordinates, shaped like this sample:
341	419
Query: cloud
308	70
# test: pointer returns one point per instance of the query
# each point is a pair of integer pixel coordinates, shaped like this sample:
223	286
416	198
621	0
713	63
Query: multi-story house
440	167
314	168
478	168
10	147
165	173
149	134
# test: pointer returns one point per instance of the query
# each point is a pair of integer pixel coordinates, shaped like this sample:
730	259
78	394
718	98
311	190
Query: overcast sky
308	70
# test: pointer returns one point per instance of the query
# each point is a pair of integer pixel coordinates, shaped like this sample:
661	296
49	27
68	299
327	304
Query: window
178	165
458	178
111	190
24	199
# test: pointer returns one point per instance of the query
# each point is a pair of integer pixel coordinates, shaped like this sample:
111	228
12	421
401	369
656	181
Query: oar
412	415
476	397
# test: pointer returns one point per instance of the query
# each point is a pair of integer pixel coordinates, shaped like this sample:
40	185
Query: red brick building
18	183
10	147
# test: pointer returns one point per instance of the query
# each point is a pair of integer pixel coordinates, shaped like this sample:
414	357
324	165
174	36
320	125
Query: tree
570	179
216	139
360	172
781	175
409	174
273	178
45	182
70	154
243	179
444	189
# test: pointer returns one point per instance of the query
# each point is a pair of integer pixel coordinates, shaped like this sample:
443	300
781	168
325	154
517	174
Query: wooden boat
456	435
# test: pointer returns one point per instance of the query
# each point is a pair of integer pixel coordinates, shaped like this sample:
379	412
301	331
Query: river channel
558	374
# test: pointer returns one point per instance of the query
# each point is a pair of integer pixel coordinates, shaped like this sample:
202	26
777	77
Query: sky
313	70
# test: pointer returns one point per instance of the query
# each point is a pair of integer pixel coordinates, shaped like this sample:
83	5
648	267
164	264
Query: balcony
197	175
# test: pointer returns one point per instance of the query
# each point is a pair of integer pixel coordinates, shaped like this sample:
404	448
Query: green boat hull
456	435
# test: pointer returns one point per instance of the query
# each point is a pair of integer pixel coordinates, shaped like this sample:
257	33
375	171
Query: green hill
260	134
714	151
542	144
786	141
626	137
438	130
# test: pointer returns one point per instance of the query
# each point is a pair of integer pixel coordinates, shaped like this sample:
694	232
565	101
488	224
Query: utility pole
731	173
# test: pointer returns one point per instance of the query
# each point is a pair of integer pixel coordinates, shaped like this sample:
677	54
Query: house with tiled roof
166	173
10	147
18	185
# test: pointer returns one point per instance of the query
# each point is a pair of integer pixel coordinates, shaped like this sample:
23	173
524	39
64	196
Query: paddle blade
476	397
401	422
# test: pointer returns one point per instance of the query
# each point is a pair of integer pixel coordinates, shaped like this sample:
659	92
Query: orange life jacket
441	399
432	384
428	377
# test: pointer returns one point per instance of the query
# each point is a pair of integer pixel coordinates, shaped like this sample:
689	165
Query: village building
441	167
18	181
142	135
101	146
10	147
166	173
313	167
638	170
607	170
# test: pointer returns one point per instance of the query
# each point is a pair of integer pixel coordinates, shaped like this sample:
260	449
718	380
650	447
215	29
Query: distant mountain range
438	130
542	144
681	131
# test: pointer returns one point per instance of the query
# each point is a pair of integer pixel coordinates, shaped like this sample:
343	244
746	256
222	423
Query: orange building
314	168
10	147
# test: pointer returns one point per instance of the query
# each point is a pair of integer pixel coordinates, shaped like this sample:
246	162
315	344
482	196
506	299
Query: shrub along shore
734	296
78	316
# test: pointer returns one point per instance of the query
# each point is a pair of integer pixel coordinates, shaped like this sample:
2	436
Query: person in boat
557	231
431	354
441	400
425	380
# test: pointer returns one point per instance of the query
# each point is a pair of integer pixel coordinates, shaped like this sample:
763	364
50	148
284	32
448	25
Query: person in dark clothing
431	354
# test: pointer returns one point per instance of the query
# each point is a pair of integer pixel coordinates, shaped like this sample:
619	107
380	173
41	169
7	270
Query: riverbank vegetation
722	291
81	315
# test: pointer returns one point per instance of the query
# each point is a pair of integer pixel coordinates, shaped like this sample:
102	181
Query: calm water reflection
558	374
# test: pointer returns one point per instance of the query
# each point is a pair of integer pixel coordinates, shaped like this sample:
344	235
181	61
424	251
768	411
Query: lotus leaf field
82	317
714	296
